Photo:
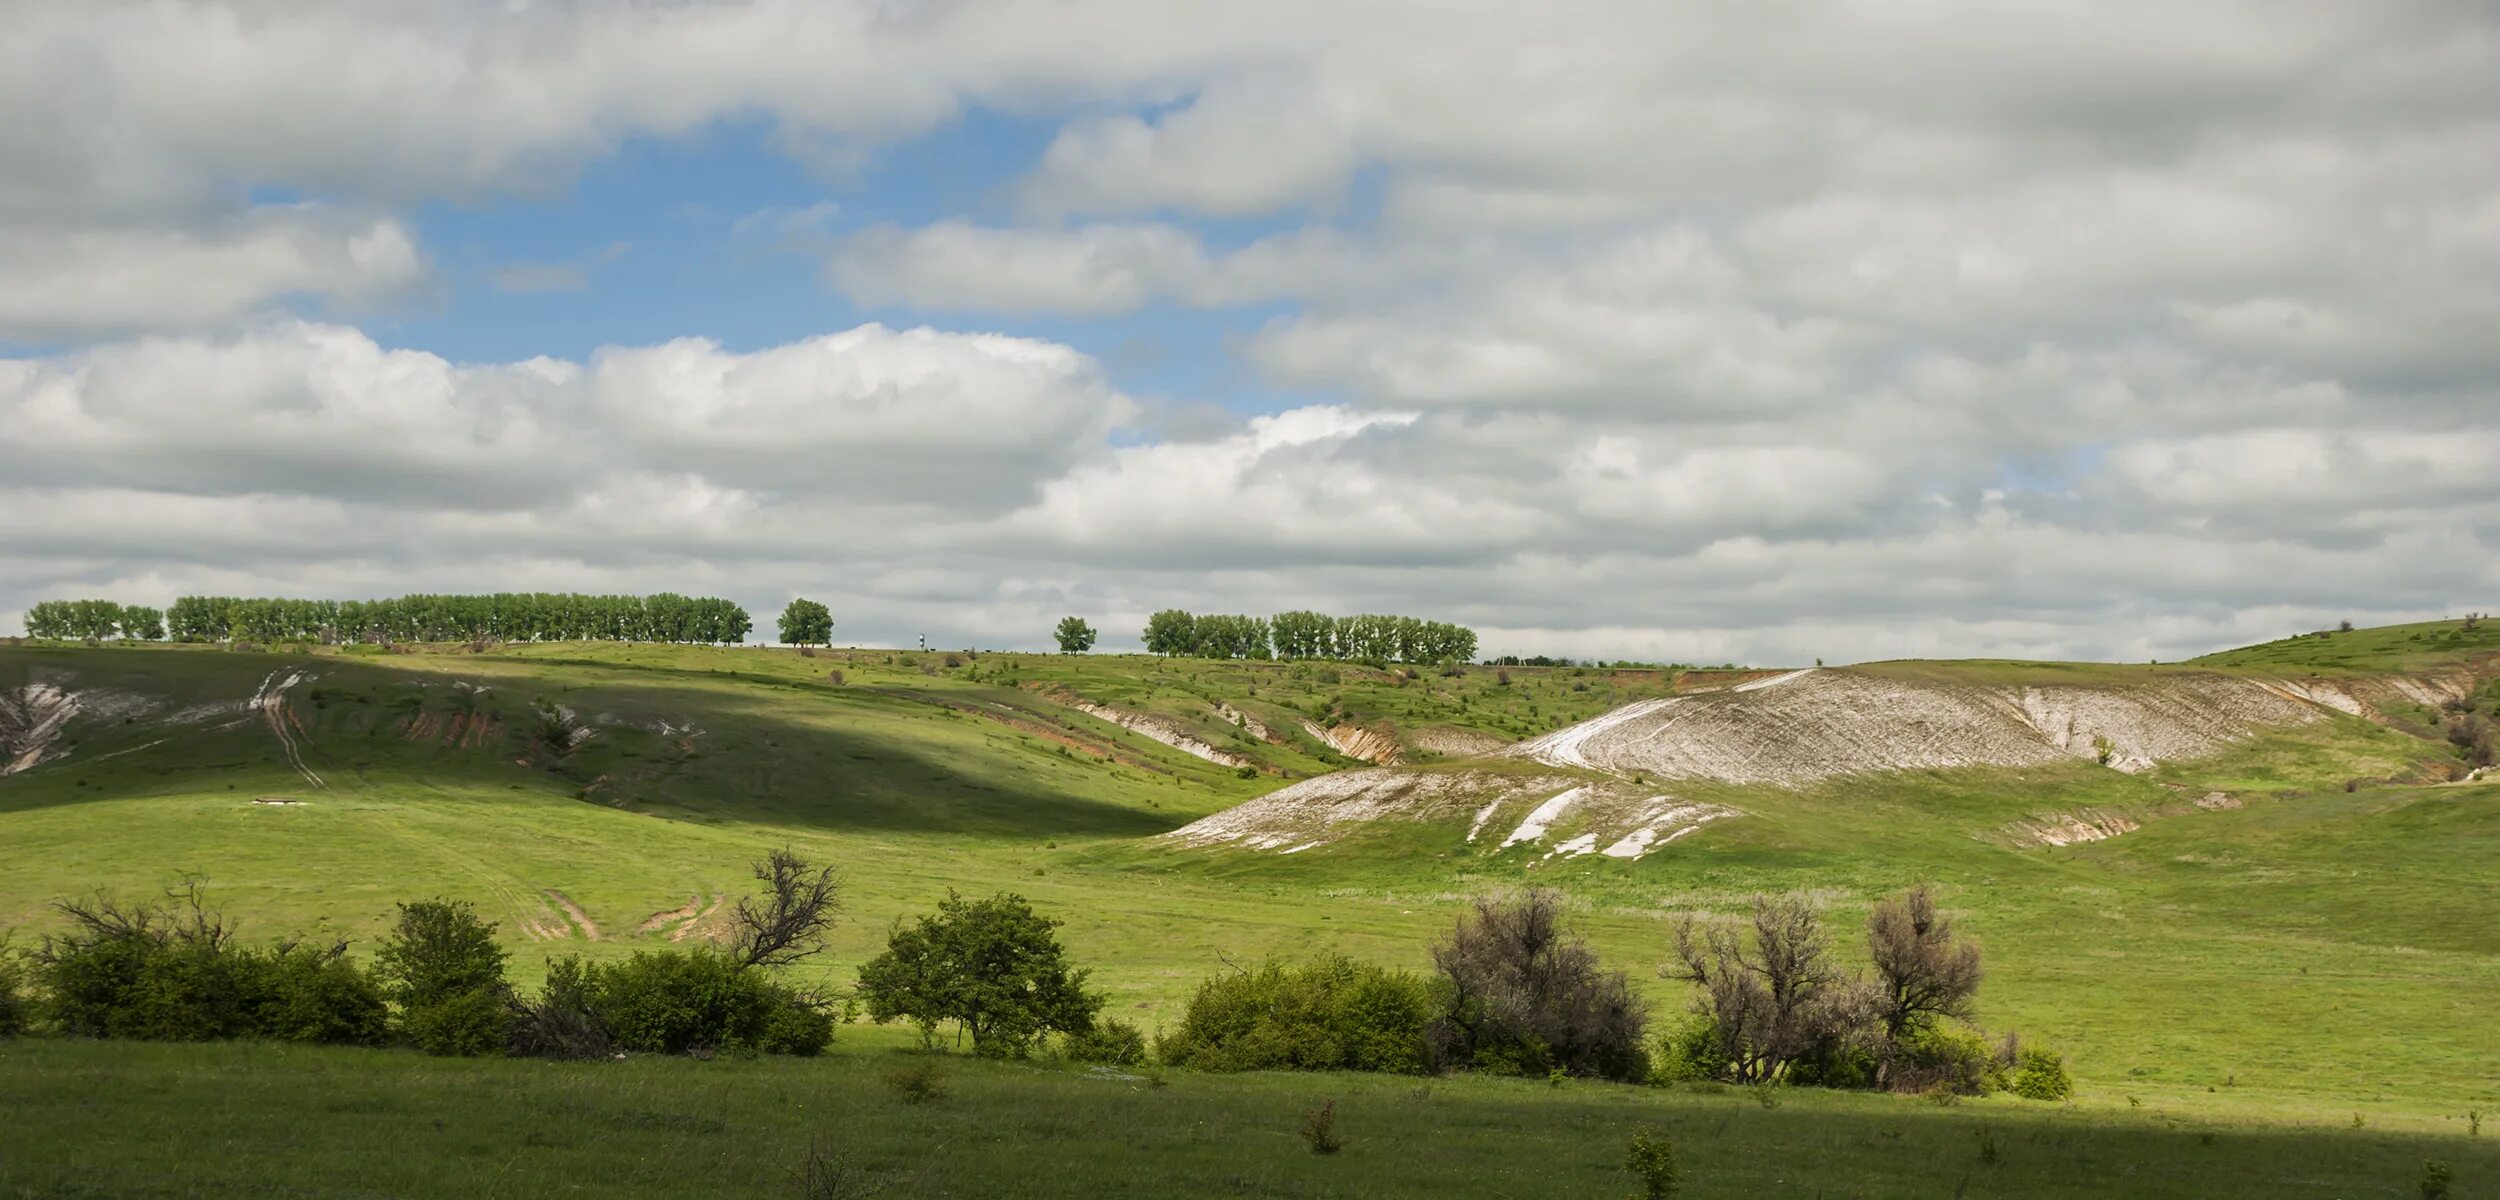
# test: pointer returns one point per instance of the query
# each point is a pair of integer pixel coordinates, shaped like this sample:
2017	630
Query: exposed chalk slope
1611	788
1563	814
1813	724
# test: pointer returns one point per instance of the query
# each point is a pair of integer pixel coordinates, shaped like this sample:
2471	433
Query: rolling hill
2129	842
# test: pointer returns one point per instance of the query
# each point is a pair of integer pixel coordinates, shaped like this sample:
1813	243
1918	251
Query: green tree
442	967
807	623
1172	631
993	967
1075	636
143	624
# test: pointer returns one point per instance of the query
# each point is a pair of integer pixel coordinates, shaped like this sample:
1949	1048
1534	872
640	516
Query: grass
2425	646
98	1119
2259	973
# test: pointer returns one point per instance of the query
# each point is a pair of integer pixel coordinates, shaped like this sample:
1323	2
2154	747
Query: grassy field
2429	645
2259	970
123	1120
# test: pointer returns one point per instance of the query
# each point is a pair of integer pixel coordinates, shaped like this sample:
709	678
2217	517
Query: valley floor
241	1120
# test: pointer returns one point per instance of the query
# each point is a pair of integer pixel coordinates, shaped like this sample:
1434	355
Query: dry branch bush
1769	990
1925	972
1526	995
788	922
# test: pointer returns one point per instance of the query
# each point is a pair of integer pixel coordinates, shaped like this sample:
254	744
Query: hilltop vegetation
2427	646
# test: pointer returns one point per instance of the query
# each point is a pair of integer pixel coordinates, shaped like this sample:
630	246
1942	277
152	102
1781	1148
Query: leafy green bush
309	995
1113	1043
1330	1014
13	1004
993	967
2040	1075
677	1002
441	966
916	1082
1690	1052
1834	1062
559	1022
171	972
460	1025
1931	1059
1652	1161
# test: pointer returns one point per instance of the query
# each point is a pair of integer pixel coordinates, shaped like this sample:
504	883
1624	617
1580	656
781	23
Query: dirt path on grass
589	928
276	713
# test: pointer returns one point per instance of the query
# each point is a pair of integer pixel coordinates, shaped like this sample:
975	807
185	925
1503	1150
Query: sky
1712	331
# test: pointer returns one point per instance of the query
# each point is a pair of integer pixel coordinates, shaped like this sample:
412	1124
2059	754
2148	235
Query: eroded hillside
1629	781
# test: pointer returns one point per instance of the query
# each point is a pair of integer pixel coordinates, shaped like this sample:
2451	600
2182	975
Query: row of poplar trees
504	616
1366	638
76	619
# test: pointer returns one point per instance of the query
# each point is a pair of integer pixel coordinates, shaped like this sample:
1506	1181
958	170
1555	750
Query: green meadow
2295	991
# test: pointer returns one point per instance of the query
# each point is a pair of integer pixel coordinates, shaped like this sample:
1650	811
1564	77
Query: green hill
2292	923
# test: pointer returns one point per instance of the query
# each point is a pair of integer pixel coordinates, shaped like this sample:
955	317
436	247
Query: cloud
1701	331
954	265
872	415
89	280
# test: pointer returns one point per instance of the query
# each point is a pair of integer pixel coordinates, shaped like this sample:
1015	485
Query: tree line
503	616
75	619
1304	634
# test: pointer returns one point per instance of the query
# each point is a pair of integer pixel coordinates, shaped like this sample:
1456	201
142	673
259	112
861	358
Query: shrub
1652	1161
461	1024
559	1023
678	1002
13	1006
305	994
789	920
1330	1014
915	1082
108	975
993	967
1319	1129
1690	1052
171	972
441	966
1112	1043
1836	1062
2040	1075
1524	996
2437	1176
1770	993
1930	1058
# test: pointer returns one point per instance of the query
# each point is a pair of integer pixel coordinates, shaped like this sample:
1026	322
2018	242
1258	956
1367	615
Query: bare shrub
834	676
1771	996
2472	735
1526	996
1923	971
788	921
821	1176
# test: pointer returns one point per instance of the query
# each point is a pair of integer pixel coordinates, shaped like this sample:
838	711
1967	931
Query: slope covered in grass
133	1121
2254	928
2426	646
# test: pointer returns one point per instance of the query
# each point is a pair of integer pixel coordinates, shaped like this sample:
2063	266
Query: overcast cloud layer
1699	331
